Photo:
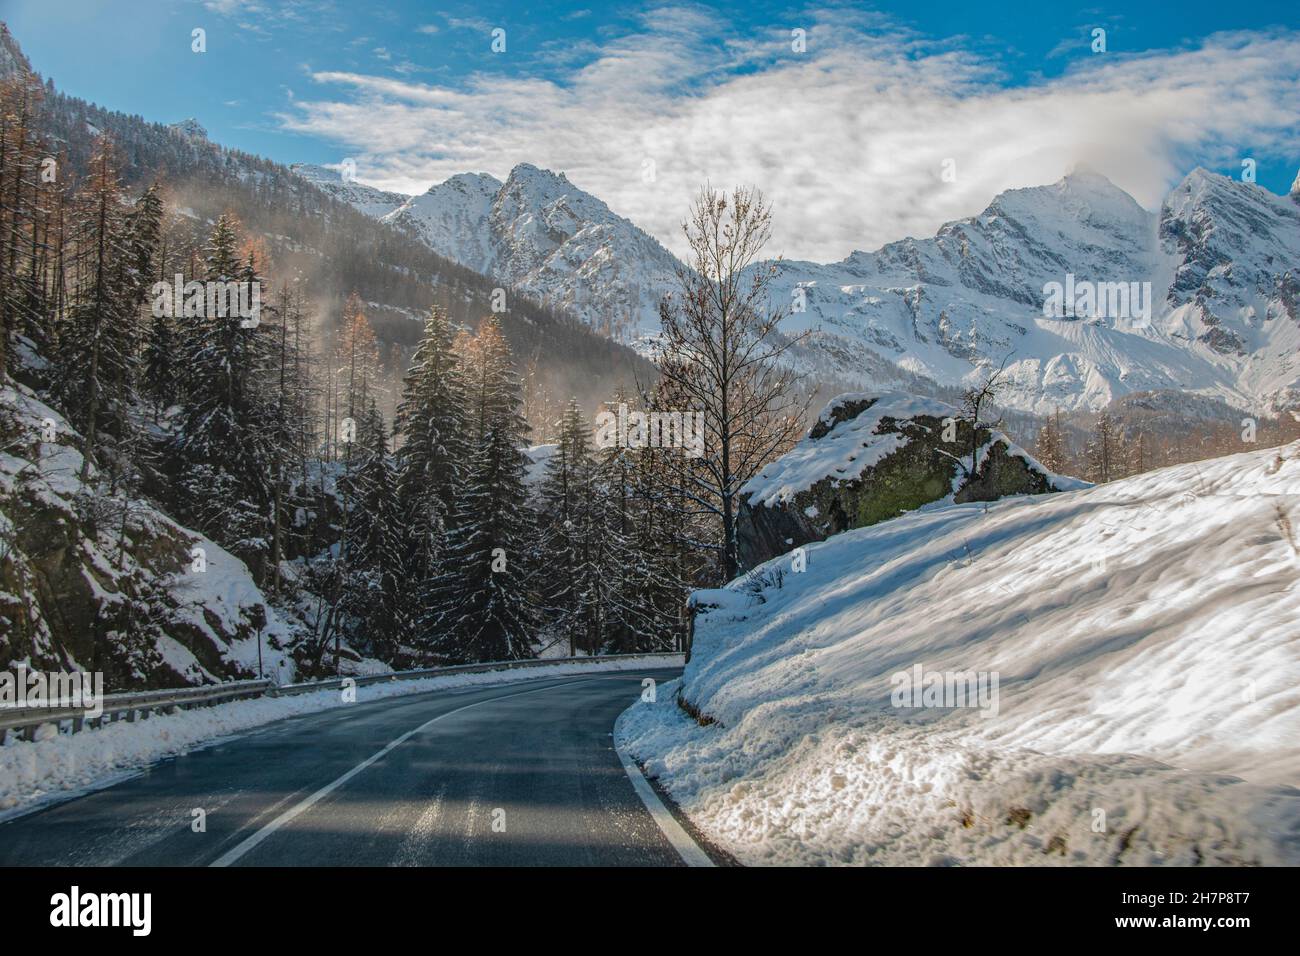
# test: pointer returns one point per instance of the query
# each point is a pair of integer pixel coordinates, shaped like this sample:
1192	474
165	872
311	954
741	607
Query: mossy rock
907	465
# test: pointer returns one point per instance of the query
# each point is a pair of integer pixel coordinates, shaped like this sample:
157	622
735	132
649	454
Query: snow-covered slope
543	235
452	218
1145	637
366	199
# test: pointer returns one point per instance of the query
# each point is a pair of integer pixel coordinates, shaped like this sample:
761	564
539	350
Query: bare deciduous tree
720	355
975	403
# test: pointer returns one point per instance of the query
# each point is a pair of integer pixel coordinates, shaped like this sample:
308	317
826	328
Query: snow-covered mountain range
540	234
1222	259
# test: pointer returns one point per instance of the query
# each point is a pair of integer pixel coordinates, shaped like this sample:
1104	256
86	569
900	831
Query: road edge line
690	851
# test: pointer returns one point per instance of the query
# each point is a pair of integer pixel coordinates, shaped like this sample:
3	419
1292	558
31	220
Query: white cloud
847	139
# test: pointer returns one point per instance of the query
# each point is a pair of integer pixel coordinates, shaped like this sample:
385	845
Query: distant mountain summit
189	128
1216	270
543	235
367	199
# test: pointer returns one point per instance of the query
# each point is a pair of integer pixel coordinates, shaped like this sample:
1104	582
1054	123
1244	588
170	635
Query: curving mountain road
517	774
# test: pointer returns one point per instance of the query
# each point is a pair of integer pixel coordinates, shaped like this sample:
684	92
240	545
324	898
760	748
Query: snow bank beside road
34	772
1146	639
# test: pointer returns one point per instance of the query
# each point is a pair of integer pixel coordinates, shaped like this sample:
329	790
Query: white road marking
233	854
408	854
686	848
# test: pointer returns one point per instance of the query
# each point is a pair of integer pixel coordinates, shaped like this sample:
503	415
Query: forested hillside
247	431
330	247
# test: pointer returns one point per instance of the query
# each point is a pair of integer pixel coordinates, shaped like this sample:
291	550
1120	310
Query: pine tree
142	231
434	430
224	446
95	350
568	527
375	574
643	594
160	374
480	606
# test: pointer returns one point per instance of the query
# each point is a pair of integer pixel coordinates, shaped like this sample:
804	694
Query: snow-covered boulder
874	456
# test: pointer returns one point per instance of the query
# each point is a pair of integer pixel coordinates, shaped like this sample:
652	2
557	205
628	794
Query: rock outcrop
874	456
108	583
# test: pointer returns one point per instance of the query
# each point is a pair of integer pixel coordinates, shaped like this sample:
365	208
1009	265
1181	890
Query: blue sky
847	134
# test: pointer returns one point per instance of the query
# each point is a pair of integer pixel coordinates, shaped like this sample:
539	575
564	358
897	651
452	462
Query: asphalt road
517	774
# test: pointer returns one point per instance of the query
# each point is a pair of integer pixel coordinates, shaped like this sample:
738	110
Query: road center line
233	854
686	848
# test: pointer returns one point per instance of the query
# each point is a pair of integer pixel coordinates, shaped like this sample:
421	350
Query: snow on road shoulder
57	766
1145	638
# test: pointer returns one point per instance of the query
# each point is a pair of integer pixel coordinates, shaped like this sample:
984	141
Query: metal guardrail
129	706
141	704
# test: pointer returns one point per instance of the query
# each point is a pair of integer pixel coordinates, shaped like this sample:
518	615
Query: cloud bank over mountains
849	137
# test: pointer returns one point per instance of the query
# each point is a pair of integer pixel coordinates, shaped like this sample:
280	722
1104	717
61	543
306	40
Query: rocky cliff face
109	583
871	457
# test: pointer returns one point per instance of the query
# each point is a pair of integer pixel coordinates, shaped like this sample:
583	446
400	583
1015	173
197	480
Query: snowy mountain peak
471	183
527	186
190	128
540	233
1213	271
451	218
1083	197
1295	188
1234	292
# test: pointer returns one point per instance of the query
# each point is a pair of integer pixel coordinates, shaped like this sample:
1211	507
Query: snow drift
1145	640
